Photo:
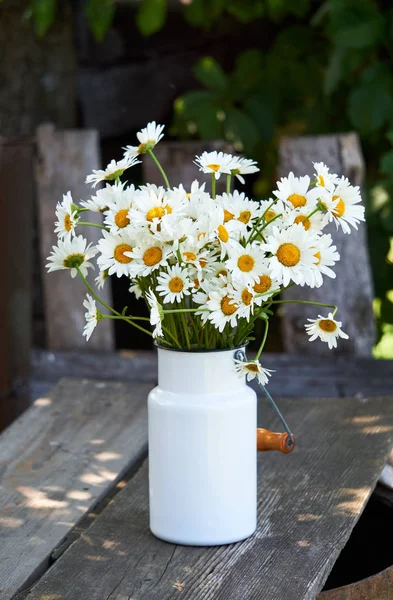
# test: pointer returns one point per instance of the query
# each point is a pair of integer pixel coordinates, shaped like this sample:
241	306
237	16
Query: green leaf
278	9
260	109
245	11
100	15
355	23
389	135
151	16
195	13
371	103
210	74
386	163
43	14
243	129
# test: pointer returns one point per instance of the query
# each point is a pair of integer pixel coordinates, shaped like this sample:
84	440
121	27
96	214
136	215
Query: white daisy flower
295	193
293	251
265	285
238	207
99	202
112	171
244	298
148	137
223	308
323	177
156	313
346	210
326	255
151	204
66	214
91	316
71	253
252	369
214	162
242	166
313	224
117	213
115	253
148	256
245	263
325	328
101	279
135	288
174	284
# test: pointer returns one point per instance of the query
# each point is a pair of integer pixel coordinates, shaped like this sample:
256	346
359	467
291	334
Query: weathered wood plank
352	290
309	502
56	462
65	157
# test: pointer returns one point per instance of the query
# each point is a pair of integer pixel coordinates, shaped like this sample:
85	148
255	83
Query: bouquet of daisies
208	266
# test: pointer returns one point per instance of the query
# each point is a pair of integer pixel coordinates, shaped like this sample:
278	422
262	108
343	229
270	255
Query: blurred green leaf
246	11
371	104
260	109
43	14
278	9
334	71
151	16
195	13
242	128
355	23
210	74
100	15
386	163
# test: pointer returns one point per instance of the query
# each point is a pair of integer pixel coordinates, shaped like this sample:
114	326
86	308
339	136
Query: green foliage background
328	69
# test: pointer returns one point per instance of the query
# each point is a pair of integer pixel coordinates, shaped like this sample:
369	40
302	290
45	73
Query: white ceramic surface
202	450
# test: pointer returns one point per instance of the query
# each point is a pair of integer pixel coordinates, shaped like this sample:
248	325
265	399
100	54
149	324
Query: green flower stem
181	310
92	292
152	155
258	354
92	225
128	320
259	231
213	186
306	302
229	178
311	214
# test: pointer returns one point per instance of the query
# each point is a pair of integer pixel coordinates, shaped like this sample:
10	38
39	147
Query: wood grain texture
65	158
56	462
377	587
352	290
309	501
294	376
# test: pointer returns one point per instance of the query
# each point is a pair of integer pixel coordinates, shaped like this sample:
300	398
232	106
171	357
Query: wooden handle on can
269	440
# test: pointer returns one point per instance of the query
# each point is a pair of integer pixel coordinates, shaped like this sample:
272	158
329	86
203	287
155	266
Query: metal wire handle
241	355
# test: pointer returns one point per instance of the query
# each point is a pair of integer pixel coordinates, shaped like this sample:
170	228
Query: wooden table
73	499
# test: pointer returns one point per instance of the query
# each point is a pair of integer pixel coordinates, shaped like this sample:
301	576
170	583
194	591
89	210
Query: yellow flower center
246	297
244	216
196	283
321	180
253	367
203	262
269	215
327	325
67	223
222	233
318	257
288	255
189	256
152	256
222	272
119	255
168	209
141	149
228	216
246	263
176	285
188	194
228	306
155	213
213	167
305	222
263	285
200	235
297	200
121	218
339	209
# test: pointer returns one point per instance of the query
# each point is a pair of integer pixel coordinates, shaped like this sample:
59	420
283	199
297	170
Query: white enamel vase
202	450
